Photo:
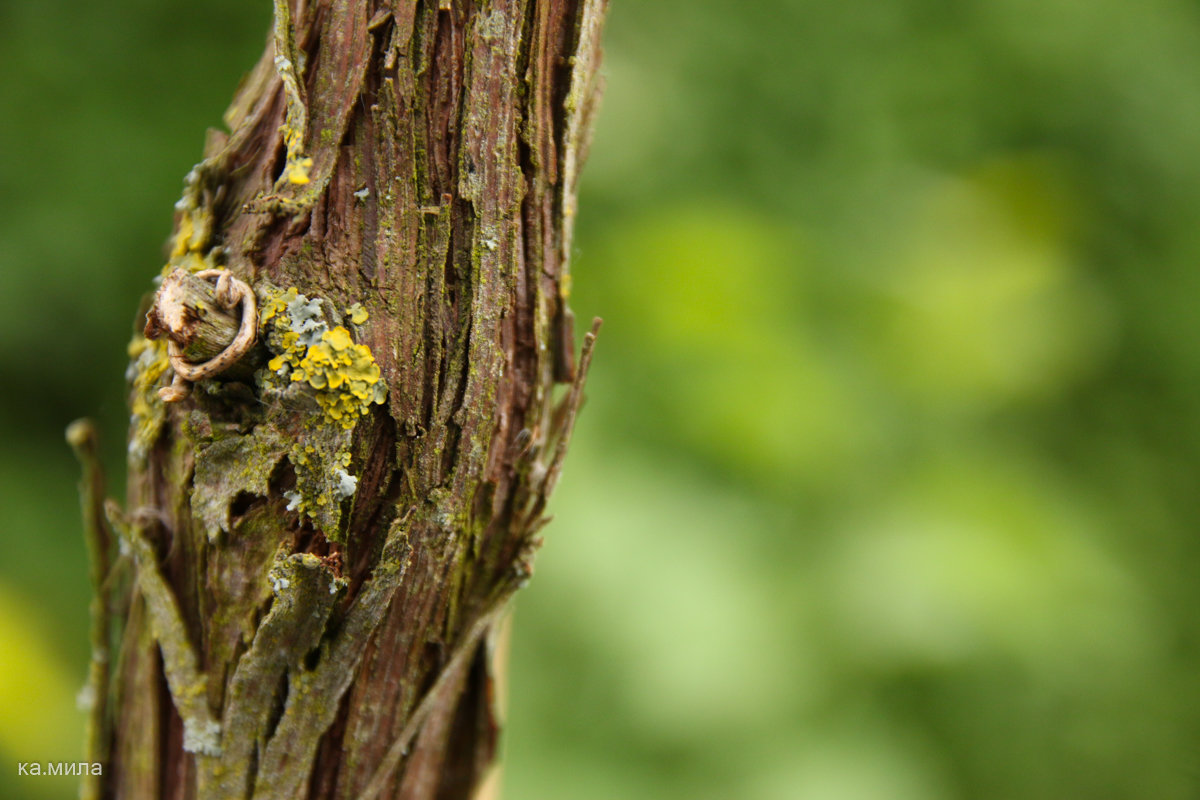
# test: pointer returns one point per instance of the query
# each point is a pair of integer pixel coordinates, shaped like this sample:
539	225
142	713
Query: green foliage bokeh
886	485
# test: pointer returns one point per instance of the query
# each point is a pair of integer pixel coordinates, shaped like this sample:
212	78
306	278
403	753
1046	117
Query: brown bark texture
318	543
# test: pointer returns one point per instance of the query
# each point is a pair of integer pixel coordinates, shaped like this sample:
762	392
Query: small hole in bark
280	162
283	477
241	504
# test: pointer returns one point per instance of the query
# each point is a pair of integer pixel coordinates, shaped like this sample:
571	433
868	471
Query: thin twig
81	434
572	403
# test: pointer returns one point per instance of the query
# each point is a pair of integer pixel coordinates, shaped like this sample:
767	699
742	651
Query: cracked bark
354	659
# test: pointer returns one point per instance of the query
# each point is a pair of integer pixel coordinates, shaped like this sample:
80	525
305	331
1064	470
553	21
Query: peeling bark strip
324	536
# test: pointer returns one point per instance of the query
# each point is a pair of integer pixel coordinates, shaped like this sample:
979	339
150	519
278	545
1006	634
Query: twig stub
206	335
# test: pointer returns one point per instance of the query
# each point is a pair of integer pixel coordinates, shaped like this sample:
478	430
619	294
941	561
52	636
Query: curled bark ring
230	292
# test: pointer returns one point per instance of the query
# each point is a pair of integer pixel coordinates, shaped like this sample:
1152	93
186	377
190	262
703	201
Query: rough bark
319	542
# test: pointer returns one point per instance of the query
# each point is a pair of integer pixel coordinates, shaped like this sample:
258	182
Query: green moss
305	590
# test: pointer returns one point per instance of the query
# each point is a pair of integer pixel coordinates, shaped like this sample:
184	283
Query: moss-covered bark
321	551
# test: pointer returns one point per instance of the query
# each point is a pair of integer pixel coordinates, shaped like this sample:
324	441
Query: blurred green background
887	484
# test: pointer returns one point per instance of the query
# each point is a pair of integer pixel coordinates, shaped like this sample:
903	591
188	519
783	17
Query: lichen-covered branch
336	477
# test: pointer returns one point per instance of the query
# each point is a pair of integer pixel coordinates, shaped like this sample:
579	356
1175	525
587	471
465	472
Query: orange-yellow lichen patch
183	237
296	170
148	365
342	374
192	244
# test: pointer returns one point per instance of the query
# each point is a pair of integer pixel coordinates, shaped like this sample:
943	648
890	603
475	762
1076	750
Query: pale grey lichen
307	319
347	484
202	736
85	698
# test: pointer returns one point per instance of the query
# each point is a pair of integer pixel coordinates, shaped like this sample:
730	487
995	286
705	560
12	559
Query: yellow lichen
149	365
311	353
296	170
183	237
358	314
343	375
191	246
322	480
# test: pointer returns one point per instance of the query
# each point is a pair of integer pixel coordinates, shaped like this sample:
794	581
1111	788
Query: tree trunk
322	529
